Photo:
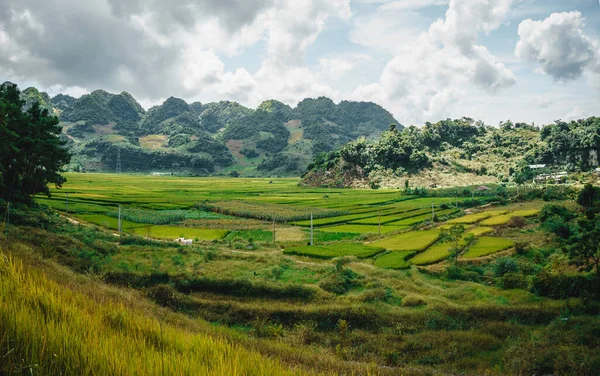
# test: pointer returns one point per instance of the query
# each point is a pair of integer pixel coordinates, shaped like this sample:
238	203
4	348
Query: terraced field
329	252
486	246
412	241
234	210
394	260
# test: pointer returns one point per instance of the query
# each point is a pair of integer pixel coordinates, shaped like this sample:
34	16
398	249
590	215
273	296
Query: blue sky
423	60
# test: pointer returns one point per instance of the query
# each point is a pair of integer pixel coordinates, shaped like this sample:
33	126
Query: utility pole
273	230
311	229
119	225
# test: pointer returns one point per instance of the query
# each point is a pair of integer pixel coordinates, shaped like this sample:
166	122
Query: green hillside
462	152
211	138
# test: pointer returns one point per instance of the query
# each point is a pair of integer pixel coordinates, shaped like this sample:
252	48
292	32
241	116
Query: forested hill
206	138
461	152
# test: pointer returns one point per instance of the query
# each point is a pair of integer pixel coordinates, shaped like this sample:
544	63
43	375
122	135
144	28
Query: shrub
341	281
504	265
513	280
412	301
560	286
454	272
516	222
164	294
521	247
559	227
552	210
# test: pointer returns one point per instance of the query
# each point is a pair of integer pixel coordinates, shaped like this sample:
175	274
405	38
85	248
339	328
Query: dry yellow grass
48	329
290	234
153	141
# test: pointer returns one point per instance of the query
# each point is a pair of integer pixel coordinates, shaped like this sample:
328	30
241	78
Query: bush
454	272
516	222
504	265
552	210
560	286
341	281
412	301
521	247
559	227
513	280
165	295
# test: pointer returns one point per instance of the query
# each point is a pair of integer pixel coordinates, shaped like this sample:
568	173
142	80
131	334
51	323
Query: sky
423	60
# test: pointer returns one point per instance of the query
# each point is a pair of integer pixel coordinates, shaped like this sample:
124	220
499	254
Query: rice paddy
363	229
329	252
394	260
486	246
470	219
432	255
215	209
412	241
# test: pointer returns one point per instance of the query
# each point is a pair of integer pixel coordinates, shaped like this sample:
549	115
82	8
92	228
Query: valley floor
90	302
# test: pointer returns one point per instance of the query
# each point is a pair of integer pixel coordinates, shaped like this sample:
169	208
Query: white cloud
576	114
338	66
428	76
155	50
558	46
388	30
412	4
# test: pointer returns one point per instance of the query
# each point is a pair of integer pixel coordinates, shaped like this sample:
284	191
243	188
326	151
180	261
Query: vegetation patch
497	220
478	231
422	218
362	229
411	241
332	251
486	246
268	211
432	255
470	219
394	260
174	232
526	213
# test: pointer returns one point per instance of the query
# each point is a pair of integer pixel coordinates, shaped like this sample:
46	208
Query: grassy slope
88	328
424	322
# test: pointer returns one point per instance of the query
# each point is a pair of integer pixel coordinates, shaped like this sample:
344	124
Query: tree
584	247
32	154
454	237
589	199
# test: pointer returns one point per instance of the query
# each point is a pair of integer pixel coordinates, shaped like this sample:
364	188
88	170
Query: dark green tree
589	199
32	153
584	247
453	236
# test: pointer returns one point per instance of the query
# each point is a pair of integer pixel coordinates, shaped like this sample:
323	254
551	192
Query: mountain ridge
197	138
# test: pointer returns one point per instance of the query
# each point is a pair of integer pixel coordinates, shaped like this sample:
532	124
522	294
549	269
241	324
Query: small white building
184	241
537	166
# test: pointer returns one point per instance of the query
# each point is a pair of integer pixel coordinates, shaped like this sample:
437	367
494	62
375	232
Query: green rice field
412	241
470	219
329	252
394	260
214	209
363	229
486	246
432	255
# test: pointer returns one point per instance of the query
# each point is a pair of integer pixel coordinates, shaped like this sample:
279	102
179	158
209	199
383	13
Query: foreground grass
48	329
